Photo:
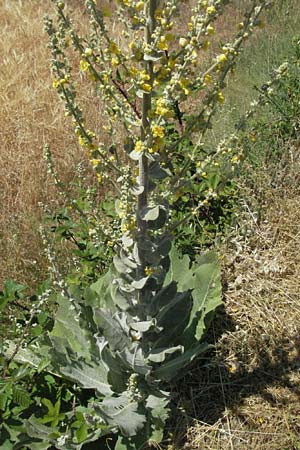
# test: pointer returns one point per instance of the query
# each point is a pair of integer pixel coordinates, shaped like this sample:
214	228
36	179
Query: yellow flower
235	159
207	78
205	45
210	10
184	83
146	87
183	42
221	58
139	6
148	271
162	45
114	61
95	162
220	97
139	146
106	11
161	108
113	48
81	141
99	177
88	51
55	83
170	37
84	65
158	131
210	30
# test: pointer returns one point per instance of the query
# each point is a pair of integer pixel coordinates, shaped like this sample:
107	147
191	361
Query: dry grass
30	117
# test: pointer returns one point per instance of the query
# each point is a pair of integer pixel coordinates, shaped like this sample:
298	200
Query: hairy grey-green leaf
102	287
121	266
169	369
135	360
162	298
180	271
88	376
67	327
111	329
206	297
150	213
139	284
159	354
157	172
123	413
143	326
174	317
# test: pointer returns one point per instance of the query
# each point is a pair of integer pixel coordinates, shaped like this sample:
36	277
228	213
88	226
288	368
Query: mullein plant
128	335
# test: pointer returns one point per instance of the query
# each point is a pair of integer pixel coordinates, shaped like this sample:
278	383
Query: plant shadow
212	387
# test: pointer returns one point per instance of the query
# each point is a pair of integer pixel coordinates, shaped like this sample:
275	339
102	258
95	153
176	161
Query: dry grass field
247	396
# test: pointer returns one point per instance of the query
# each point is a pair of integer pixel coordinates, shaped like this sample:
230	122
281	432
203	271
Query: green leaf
111	330
150	213
135	360
21	397
173	318
170	369
88	376
102	287
123	413
82	433
7	445
206	295
159	355
180	271
37	430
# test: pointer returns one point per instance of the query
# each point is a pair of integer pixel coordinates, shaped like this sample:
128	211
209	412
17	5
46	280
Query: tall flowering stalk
144	89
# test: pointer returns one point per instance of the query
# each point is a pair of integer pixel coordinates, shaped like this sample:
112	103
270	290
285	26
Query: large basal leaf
88	376
35	429
111	330
206	296
173	318
162	298
102	287
160	354
133	358
131	443
180	271
67	327
23	355
158	414
123	413
204	279
168	370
